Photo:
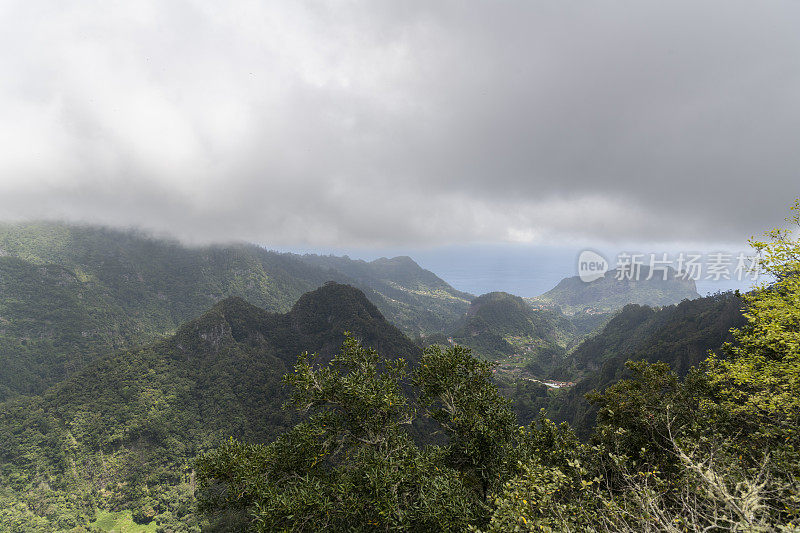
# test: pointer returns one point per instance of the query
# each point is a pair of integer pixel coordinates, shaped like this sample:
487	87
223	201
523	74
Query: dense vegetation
123	432
610	293
353	463
70	293
501	326
716	451
415	300
679	335
105	422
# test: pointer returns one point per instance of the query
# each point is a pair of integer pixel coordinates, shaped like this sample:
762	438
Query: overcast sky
403	123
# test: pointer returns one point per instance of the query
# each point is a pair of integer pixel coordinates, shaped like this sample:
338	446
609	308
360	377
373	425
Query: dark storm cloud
400	122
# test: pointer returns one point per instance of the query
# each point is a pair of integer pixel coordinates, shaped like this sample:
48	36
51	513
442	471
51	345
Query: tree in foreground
353	464
719	451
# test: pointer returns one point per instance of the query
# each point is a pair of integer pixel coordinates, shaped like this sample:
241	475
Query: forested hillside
504	328
114	413
71	292
616	289
535	346
418	301
123	432
680	335
713	447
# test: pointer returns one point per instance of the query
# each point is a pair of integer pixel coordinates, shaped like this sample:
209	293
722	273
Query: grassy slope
120	522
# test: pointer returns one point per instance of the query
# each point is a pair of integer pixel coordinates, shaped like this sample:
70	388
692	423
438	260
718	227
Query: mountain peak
231	319
613	291
497	300
497	296
319	309
400	261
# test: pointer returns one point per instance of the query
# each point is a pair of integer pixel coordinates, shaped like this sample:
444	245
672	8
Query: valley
126	357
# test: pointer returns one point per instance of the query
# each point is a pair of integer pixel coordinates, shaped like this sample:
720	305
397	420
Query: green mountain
122	432
505	328
72	292
680	335
613	291
416	300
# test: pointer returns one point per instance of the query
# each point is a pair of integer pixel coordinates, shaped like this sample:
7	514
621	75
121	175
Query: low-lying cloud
396	123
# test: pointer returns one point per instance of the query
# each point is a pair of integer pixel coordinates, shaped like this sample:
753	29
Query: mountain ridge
129	424
503	327
680	335
614	290
70	292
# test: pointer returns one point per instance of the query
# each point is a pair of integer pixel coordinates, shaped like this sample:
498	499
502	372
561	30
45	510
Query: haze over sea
523	270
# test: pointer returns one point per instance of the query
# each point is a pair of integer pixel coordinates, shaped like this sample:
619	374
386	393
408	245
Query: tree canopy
437	448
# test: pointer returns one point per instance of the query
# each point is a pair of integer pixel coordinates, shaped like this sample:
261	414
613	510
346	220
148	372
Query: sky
422	126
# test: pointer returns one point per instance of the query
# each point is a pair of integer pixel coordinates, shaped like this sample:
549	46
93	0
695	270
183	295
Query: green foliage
457	392
610	294
414	299
121	522
122	433
541	498
501	326
551	490
71	293
680	336
717	451
527	398
352	397
351	465
635	414
755	388
668	463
